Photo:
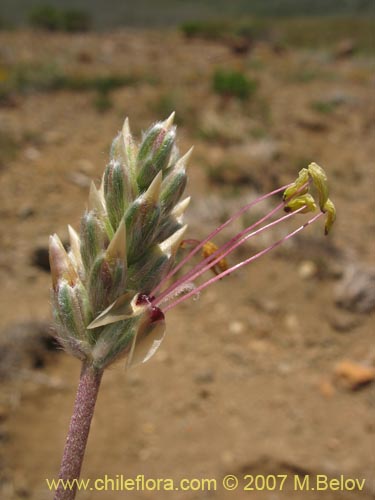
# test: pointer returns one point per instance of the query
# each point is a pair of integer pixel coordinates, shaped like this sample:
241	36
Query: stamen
210	259
243	263
178	292
226	249
214	233
210	250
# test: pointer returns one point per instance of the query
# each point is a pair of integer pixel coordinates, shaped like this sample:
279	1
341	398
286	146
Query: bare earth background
252	377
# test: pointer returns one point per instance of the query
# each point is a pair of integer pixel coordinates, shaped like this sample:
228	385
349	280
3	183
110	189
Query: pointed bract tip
73	235
169	121
92	192
183	161
102	182
126	132
75	247
153	191
96	201
117	246
122	308
126	126
173	243
148	340
180	208
60	264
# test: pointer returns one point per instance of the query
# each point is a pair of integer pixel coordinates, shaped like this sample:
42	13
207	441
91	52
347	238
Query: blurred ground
251	378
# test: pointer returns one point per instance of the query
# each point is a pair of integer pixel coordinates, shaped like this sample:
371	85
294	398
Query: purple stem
241	264
79	428
214	233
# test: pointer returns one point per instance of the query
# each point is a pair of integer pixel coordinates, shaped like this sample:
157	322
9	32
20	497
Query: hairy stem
79	429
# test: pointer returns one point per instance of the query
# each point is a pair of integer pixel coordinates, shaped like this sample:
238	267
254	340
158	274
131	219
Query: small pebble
307	269
31	154
227	457
204	377
236	327
25	212
40	258
343	322
354	375
291	322
85	166
326	388
79	179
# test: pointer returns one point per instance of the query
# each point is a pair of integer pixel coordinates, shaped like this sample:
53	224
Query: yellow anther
330	210
304	200
303	178
299	195
319	179
210	248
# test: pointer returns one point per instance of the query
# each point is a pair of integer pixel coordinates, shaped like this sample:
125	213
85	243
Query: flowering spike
105	293
126	246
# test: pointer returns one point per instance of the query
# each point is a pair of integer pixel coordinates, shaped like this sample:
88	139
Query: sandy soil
245	381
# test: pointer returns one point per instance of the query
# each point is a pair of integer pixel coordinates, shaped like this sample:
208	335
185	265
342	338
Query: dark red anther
156	314
142	299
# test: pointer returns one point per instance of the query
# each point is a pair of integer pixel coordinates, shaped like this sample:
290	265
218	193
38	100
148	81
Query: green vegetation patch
51	18
46	78
308	32
233	84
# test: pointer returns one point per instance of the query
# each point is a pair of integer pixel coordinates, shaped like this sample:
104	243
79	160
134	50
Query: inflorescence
111	290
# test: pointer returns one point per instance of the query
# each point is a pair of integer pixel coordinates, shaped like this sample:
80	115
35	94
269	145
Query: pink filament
228	248
243	263
214	233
